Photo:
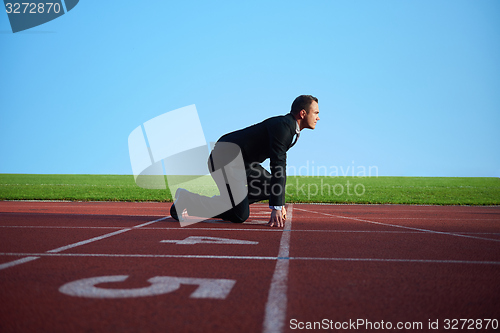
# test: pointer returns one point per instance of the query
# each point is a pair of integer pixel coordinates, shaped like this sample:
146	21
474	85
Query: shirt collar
297	127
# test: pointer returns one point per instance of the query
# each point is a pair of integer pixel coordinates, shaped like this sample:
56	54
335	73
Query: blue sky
411	87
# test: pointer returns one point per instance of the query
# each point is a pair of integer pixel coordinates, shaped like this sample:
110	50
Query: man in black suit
242	184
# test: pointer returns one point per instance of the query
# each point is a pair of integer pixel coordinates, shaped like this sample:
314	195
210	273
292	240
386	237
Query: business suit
271	139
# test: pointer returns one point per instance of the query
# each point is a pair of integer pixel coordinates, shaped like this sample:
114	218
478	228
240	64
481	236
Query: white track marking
111	255
268	229
207	288
17	262
401	226
408	208
85	214
151	222
425	261
70	246
422	218
87	205
63	248
191	240
258	222
194	256
434	218
246	223
275	313
54	227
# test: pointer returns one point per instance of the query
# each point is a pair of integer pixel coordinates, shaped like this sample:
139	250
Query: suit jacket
271	139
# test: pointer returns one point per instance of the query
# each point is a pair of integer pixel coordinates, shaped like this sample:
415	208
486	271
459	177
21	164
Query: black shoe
176	206
173	213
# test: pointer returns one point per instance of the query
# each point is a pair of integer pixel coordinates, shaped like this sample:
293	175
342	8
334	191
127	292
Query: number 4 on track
208	240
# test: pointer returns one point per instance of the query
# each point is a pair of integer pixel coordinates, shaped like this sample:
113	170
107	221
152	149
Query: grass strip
361	190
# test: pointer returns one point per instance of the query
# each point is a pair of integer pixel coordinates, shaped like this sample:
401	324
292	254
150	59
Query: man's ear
302	114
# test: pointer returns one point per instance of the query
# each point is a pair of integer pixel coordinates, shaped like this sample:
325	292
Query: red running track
128	267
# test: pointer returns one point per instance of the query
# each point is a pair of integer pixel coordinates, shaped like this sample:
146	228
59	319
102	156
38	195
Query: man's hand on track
277	218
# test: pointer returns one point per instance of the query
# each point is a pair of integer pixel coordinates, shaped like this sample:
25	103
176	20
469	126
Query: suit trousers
240	184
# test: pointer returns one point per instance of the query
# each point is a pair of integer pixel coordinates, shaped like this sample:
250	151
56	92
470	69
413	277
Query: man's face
312	117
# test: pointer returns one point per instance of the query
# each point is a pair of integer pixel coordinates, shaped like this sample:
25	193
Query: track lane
338	268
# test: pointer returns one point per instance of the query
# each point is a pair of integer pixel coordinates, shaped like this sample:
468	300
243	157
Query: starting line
34	256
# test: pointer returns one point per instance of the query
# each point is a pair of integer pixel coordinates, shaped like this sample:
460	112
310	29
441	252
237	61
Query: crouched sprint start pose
235	166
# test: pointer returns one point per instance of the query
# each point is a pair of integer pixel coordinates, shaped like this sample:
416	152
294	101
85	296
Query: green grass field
366	190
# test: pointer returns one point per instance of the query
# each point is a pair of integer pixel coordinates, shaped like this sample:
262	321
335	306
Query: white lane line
246	223
275	313
426	261
438	218
380	207
54	227
151	222
70	246
17	262
91	240
424	218
401	226
103	205
83	214
118	255
260	223
195	256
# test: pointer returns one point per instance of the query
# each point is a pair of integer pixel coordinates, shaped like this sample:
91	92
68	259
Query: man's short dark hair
303	102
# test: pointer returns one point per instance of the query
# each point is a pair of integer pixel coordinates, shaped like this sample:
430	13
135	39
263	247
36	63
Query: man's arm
280	138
